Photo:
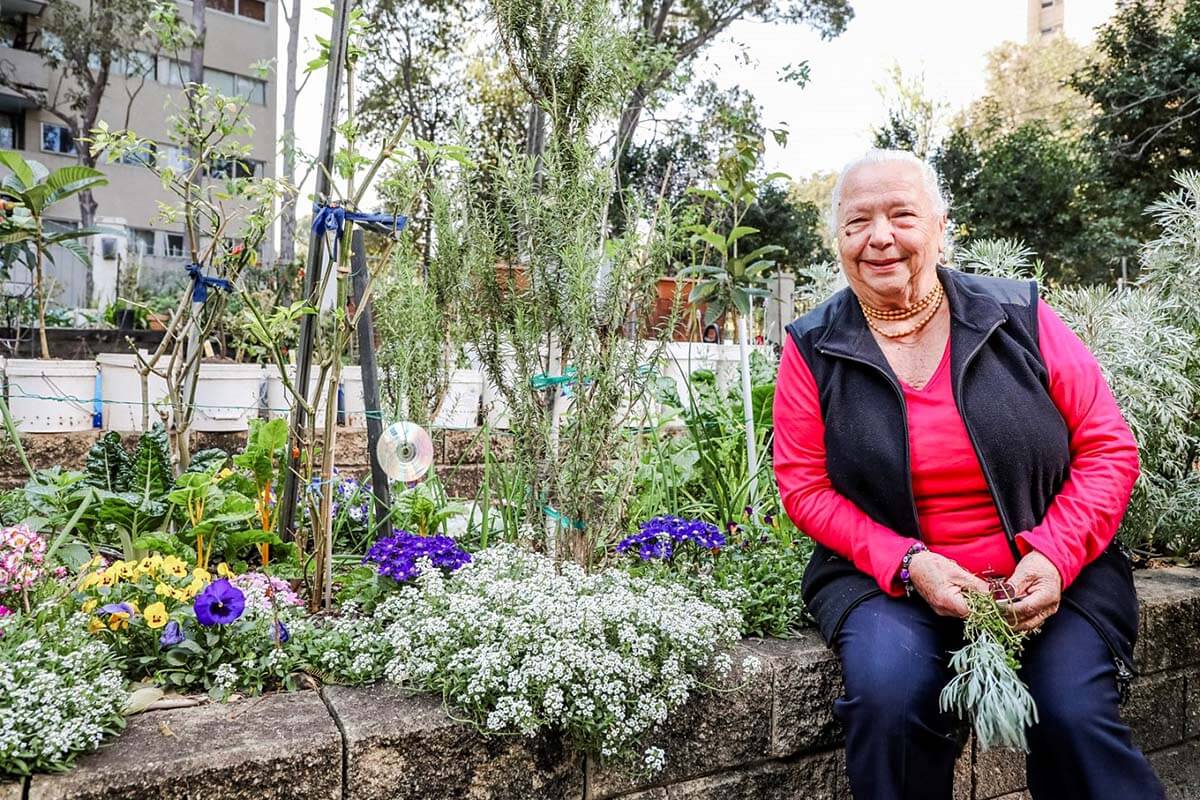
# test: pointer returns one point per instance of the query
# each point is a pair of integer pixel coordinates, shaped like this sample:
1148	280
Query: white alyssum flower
524	644
60	694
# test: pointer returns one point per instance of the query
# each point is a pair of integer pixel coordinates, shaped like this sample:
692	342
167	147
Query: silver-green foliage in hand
986	688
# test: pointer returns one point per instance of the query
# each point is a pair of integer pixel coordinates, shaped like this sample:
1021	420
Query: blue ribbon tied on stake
332	219
201	283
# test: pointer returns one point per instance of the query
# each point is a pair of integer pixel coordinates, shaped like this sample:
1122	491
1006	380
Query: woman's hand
1038	589
941	582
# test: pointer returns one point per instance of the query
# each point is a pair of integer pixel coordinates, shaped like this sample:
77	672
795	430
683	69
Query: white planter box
121	393
48	396
354	402
279	399
460	407
227	396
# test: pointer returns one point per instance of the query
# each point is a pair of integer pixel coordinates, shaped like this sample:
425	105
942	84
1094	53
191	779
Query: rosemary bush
986	688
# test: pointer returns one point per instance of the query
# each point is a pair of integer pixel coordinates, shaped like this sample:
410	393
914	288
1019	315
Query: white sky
831	118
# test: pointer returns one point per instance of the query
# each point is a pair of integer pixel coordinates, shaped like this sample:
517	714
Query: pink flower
4	610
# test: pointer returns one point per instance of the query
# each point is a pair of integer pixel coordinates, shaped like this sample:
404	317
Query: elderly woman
934	429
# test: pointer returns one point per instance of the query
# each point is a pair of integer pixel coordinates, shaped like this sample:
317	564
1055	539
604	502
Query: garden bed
773	738
82	343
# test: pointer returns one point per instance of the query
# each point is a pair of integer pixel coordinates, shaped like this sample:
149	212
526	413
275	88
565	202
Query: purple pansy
171	635
219	604
279	633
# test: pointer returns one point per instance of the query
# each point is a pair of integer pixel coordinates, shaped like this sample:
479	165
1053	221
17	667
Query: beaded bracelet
905	575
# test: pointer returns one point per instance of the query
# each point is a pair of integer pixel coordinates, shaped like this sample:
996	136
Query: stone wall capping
775	738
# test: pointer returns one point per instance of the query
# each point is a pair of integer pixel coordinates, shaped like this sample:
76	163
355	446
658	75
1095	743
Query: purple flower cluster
659	537
398	554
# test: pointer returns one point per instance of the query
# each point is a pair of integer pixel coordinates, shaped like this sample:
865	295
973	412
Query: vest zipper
903	418
1009	534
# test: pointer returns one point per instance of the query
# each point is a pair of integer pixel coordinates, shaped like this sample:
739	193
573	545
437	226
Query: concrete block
1156	710
998	773
279	746
1169	635
711	732
400	747
816	777
806	679
1179	770
11	790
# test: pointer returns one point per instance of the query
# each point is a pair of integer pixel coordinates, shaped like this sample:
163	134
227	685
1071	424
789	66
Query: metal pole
380	489
316	259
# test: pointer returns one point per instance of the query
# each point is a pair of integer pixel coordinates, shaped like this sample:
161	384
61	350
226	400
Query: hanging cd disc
405	451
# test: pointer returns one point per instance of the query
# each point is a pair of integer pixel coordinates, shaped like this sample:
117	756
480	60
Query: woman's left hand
1038	587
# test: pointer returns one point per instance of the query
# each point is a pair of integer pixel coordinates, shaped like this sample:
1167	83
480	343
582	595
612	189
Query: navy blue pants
895	661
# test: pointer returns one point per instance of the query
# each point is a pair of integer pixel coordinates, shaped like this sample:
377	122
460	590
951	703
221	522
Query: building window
1047	3
11	126
1053	29
142	242
250	9
57	139
174	247
142	157
176	158
235	168
252	90
223	82
137	65
172	72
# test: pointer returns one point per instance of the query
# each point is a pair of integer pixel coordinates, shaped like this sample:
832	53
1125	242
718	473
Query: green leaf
208	460
72	180
107	461
739	232
740	301
148	473
19	167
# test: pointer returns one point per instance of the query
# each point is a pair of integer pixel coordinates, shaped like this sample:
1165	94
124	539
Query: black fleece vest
1000	387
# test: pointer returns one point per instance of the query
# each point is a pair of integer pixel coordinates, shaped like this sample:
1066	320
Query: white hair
929	179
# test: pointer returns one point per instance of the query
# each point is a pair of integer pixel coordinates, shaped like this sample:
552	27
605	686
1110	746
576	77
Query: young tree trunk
196	64
287	224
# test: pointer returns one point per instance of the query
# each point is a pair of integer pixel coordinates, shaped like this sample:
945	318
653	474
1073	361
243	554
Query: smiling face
889	234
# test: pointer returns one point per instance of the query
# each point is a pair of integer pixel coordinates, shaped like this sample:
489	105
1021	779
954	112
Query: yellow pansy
107	579
95	625
224	571
146	566
195	587
89	580
199	573
126	569
162	590
175	566
118	621
156	615
88	606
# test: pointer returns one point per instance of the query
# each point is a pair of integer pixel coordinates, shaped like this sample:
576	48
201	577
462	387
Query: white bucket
279	399
682	359
121	393
354	401
48	396
460	407
227	396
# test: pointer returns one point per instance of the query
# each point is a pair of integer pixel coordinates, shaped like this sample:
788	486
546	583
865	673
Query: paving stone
806	679
400	747
998	773
710	732
964	773
1021	795
816	777
279	746
11	790
1169	634
1156	710
1179	770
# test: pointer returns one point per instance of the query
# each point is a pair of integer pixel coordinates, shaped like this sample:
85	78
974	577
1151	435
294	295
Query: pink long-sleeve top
955	510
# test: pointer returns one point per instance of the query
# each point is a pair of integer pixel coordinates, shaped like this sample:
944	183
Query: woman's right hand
941	582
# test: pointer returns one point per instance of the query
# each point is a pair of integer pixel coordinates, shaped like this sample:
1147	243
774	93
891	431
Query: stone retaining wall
776	739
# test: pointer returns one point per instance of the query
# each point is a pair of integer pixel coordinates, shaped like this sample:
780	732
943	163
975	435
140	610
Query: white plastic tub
279	399
121	393
354	401
227	396
49	396
460	407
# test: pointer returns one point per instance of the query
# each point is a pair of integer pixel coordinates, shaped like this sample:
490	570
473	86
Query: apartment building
1045	19
240	33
